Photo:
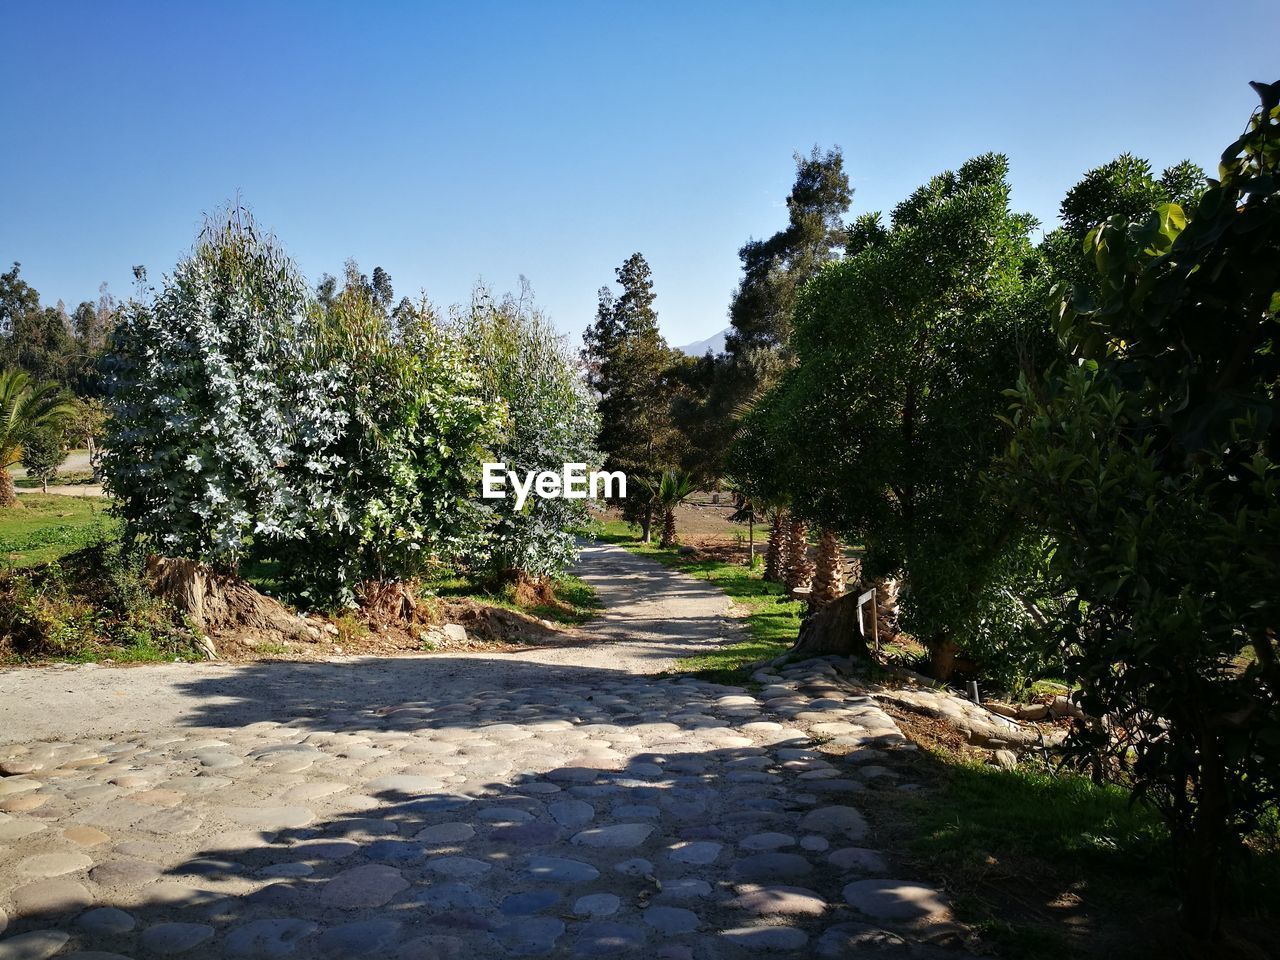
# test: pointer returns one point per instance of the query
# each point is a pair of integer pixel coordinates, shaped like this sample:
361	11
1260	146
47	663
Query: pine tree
627	362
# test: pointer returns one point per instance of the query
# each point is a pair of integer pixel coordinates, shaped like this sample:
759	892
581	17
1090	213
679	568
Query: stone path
558	804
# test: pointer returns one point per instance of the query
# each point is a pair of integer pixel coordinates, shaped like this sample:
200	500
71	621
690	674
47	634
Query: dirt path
561	802
652	616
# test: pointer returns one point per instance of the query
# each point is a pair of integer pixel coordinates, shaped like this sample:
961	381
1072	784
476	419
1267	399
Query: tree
526	370
667	492
383	465
27	407
200	416
627	365
882	430
1150	461
774	270
43	453
86	424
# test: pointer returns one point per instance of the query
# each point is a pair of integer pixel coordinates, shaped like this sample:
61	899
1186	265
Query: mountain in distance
714	343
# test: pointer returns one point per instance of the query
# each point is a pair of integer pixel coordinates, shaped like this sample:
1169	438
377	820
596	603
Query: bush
91	604
526	369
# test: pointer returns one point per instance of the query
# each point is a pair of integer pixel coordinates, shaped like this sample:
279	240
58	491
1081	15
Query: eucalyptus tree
199	413
548	419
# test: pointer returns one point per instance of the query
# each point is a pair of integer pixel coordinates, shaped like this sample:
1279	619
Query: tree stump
833	629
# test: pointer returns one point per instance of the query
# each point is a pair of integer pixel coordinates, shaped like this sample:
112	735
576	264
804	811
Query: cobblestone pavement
560	809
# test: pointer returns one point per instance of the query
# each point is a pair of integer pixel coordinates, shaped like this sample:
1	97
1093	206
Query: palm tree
673	489
775	557
828	577
798	570
26	407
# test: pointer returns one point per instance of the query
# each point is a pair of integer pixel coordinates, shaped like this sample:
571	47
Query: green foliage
44	452
27	408
884	426
628	366
526	369
1150	462
90	605
382	482
201	416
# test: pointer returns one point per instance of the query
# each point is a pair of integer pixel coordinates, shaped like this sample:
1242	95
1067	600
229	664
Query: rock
529	936
528	902
267	939
895	900
36	945
597	905
766	841
571	813
442	833
772	900
458	866
840	819
618	835
363	938
368	885
606	938
857	859
671	921
698	852
766	938
455	632
54	864
169	939
1004	759
771	866
125	872
51	897
105	921
85	836
560	870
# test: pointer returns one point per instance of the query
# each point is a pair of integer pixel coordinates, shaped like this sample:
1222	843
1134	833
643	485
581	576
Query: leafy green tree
882	430
383	463
549	419
27	407
43	453
1150	461
628	366
667	492
200	416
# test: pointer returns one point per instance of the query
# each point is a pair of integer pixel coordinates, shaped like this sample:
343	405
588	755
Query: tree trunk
828	577
942	659
8	495
668	528
774	552
799	571
1204	847
44	484
751	542
646	524
833	629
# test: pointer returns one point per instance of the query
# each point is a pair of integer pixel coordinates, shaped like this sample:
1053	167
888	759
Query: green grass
772	620
1017	847
61	480
48	526
576	600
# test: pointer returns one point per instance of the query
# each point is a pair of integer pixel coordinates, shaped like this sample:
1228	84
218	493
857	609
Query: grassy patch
61	480
47	527
90	605
575	599
1048	864
772	620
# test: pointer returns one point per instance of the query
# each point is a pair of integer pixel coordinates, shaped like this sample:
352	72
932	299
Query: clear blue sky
486	140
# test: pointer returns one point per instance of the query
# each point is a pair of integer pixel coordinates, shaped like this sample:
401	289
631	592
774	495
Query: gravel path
559	802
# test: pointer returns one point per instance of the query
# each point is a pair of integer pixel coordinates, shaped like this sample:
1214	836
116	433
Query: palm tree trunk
668	528
828	578
799	571
8	495
773	554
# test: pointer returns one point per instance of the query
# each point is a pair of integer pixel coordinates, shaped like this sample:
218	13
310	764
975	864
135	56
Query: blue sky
487	140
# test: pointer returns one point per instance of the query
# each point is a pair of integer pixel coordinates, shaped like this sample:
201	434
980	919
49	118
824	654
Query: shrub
525	368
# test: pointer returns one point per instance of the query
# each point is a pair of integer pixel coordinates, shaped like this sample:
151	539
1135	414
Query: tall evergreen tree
627	363
773	270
